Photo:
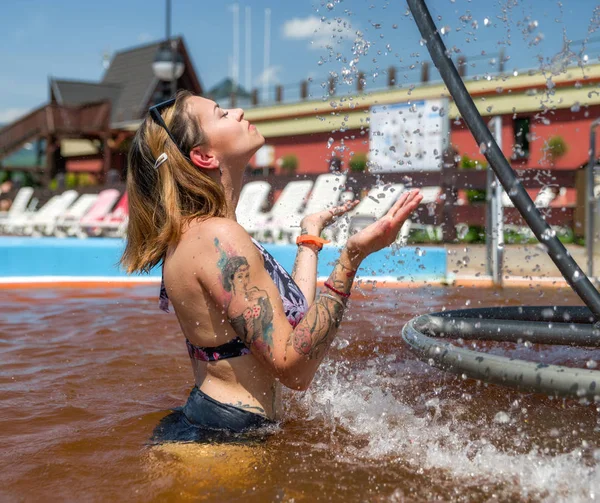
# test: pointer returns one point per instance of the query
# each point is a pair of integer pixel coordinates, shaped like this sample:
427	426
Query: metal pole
590	207
490	208
172	47
519	196
267	49
248	62
497	211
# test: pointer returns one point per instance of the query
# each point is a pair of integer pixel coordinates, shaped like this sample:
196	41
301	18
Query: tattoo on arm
314	333
350	273
301	249
254	321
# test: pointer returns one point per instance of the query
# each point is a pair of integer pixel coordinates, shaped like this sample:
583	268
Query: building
534	107
85	126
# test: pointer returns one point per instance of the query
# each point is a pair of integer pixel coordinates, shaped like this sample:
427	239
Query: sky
72	39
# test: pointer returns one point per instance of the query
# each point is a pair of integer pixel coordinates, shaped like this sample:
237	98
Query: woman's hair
163	200
231	267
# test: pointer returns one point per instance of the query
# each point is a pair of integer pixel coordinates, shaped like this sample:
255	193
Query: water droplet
501	418
591	364
549	233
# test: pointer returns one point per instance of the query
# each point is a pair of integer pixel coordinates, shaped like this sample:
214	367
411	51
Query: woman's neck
232	186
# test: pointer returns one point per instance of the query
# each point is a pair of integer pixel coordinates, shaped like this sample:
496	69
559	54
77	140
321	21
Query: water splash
437	435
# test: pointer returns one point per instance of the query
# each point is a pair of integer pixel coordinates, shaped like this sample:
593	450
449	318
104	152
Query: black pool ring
543	325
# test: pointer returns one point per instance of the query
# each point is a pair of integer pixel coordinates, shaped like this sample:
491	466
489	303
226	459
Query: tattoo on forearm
249	307
314	333
350	273
301	250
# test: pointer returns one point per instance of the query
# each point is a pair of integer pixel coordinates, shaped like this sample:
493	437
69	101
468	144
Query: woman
249	326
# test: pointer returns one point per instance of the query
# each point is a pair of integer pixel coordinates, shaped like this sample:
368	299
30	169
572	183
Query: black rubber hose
519	196
572	334
557	380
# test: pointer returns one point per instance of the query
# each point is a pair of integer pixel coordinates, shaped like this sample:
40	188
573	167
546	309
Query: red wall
312	152
574	127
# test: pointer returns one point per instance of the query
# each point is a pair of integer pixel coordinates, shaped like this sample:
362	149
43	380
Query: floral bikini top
294	305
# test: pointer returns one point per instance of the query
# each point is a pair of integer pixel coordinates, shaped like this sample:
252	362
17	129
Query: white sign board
408	136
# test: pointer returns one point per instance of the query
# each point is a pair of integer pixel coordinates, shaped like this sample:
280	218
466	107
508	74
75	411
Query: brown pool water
86	374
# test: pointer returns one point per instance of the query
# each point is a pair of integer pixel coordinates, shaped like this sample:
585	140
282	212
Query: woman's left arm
305	266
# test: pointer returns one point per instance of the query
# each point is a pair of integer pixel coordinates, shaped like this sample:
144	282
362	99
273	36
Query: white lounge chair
46	216
115	223
17	208
292	199
371	208
325	194
22	224
68	222
542	200
430	196
248	211
92	220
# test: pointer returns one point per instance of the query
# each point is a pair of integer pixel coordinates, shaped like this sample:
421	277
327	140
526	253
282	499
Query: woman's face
231	138
241	278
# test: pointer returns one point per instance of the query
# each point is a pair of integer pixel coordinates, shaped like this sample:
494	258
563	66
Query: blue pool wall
27	257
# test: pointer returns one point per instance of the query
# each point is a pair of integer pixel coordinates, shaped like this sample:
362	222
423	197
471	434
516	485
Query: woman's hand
384	231
316	222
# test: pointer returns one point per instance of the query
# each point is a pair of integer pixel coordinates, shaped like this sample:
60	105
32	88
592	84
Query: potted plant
473	195
358	163
556	147
289	164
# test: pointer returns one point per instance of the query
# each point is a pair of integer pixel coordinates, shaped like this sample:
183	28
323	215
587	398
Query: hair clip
161	159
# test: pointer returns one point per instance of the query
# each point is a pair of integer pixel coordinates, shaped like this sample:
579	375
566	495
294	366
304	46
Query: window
521	136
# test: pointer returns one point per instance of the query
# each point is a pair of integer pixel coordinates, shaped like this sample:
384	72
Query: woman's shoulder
212	225
224	229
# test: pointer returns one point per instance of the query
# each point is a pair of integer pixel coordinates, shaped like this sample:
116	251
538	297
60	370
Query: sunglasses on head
155	113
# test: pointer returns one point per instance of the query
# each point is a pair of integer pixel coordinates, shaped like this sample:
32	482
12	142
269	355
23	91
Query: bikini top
294	305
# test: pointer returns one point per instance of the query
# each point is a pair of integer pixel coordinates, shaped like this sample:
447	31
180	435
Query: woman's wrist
350	258
311	246
310	228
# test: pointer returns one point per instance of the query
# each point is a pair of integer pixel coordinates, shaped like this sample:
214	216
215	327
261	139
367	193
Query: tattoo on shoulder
250	309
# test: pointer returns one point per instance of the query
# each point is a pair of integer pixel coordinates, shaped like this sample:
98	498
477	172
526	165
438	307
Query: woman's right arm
291	354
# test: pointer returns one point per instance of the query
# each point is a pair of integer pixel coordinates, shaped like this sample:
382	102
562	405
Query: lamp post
168	64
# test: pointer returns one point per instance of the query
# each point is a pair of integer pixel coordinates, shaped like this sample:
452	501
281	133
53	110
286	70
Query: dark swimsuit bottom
204	419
